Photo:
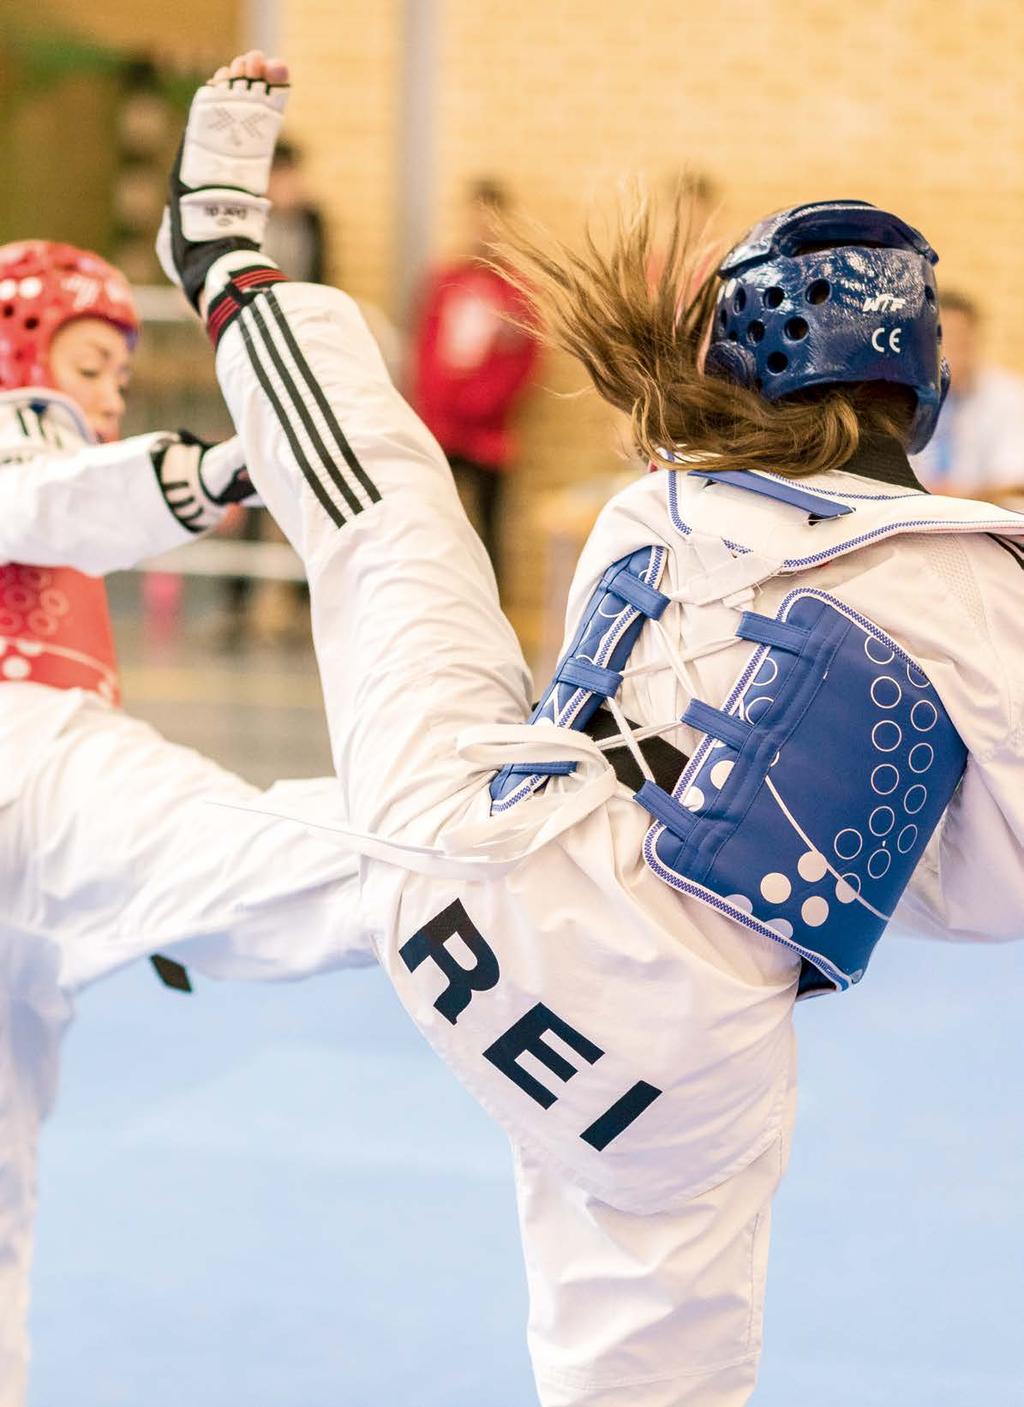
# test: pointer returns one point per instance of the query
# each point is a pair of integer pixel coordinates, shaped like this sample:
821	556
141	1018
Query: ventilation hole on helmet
778	361
31	324
929	295
740	301
756	330
9	310
773	297
733	335
723	317
938	332
796	329
818	291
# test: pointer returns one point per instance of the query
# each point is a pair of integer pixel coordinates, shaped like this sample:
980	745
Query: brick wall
905	102
344	113
194	32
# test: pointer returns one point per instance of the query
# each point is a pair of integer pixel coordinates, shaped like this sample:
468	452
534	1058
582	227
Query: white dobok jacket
633	1035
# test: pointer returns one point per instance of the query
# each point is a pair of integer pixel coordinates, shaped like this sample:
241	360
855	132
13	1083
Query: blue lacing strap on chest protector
590	670
806	808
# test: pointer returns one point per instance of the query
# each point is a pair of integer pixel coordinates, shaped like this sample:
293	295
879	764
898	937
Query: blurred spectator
295	237
977	450
471	364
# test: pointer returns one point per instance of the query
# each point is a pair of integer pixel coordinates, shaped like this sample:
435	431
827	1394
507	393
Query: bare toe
255	63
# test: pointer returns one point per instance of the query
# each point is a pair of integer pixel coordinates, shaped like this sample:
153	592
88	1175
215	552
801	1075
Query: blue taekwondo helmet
833	291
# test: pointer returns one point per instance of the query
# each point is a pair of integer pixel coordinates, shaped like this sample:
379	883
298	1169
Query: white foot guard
217	203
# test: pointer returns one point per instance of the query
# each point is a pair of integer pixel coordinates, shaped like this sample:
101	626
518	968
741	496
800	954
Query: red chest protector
55	630
54	622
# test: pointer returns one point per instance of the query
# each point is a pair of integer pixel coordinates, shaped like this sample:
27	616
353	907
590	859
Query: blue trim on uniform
591	668
999	524
778	489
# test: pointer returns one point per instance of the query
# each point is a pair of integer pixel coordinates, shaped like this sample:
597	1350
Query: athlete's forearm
98	509
105	508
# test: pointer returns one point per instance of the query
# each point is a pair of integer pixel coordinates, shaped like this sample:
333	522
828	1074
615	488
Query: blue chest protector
815	787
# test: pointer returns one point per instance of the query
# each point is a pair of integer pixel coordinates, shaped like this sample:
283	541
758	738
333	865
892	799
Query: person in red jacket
472	362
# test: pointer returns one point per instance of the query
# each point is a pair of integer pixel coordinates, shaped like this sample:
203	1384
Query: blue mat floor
277	1196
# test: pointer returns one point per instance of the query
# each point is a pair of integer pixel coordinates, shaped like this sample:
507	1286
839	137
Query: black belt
171	973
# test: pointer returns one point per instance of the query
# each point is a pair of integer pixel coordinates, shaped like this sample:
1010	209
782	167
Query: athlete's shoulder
637	511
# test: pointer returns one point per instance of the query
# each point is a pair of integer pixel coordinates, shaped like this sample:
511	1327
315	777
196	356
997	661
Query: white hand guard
217	188
198	480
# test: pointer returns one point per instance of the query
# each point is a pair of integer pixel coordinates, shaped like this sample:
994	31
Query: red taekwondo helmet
43	286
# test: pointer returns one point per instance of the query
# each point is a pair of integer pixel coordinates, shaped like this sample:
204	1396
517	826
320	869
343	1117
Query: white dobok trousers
109	851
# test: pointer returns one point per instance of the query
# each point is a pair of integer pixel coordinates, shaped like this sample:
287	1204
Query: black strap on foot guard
171	973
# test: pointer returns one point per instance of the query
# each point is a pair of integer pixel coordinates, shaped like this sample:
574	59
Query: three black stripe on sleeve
324	455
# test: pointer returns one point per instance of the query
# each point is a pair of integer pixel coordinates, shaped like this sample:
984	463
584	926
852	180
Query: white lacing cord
627	736
677	661
709	647
651	730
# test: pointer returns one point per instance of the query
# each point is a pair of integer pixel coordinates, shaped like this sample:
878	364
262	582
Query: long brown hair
641	339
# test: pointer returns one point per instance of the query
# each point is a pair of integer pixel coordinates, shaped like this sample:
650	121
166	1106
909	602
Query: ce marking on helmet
879	339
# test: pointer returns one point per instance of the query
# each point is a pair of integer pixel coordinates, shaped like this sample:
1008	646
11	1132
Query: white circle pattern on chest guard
812	866
847	888
924	715
917	677
921	758
814	911
848	844
54	630
878	863
907	839
819	779
776	888
881	820
915	799
720	773
885	779
15	667
885	692
887	735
